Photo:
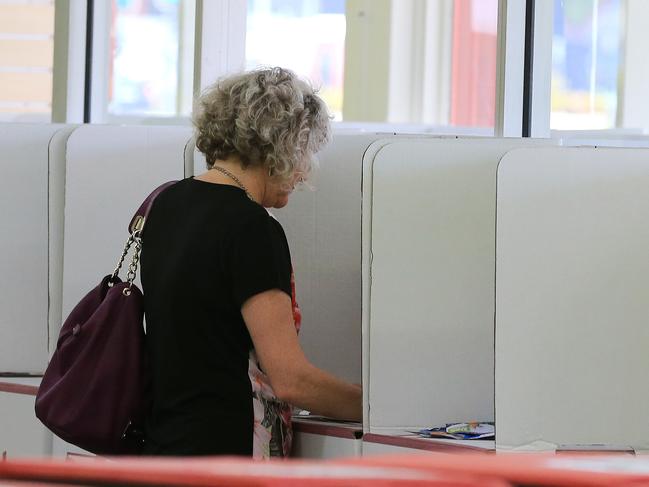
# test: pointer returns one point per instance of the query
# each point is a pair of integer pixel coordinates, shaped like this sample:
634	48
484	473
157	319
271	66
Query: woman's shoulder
255	216
224	205
221	199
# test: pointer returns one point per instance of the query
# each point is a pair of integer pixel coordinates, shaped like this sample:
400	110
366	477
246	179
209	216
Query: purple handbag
92	393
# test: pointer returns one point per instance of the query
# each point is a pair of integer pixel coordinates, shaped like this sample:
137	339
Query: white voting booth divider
571	306
428	282
398	240
323	227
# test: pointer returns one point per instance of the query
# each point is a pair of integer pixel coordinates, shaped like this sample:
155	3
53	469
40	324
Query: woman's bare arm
269	318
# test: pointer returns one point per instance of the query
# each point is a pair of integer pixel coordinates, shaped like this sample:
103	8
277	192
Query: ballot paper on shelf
461	431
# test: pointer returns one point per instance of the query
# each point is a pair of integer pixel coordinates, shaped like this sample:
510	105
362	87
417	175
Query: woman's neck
252	178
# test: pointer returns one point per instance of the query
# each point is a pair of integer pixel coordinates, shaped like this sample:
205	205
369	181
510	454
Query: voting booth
323	227
420	261
429	211
571	299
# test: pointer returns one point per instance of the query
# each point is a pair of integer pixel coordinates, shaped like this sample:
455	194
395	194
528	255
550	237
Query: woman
220	309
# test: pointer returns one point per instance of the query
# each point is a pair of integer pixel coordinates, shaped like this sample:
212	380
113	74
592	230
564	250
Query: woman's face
277	192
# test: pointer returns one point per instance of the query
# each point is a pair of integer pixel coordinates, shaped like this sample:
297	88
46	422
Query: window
599	68
429	64
586	59
26	52
473	63
413	61
307	37
149	55
633	103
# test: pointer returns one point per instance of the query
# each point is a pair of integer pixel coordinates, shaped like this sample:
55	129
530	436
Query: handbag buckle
137	225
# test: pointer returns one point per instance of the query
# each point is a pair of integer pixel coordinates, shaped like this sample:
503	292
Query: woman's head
266	117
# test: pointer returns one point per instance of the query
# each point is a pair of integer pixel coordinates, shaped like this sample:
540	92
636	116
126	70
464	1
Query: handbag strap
137	222
135	231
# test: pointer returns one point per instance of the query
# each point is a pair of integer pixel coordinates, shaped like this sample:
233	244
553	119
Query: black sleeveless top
206	249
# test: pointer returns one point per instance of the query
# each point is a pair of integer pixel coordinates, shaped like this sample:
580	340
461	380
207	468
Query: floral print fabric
273	433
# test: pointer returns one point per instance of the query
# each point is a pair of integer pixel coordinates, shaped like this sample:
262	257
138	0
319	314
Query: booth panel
430	269
56	225
572	307
323	227
25	162
110	170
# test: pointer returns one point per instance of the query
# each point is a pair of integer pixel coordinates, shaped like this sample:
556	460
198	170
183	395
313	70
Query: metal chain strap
134	238
127	247
132	268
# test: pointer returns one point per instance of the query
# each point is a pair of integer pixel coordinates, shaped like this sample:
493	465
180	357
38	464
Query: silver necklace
235	179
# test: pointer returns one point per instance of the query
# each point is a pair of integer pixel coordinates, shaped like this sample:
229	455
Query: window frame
510	68
96	63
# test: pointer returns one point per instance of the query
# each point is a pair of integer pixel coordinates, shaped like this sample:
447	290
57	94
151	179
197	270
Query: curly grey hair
266	117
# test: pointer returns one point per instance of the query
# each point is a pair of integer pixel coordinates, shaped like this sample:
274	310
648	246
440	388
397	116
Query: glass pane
26	55
151	61
305	36
587	51
473	63
417	62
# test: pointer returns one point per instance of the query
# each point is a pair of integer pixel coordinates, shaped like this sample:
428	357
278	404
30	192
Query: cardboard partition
571	299
429	208
323	228
32	170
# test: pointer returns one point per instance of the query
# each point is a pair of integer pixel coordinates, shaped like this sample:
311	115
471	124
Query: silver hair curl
266	117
